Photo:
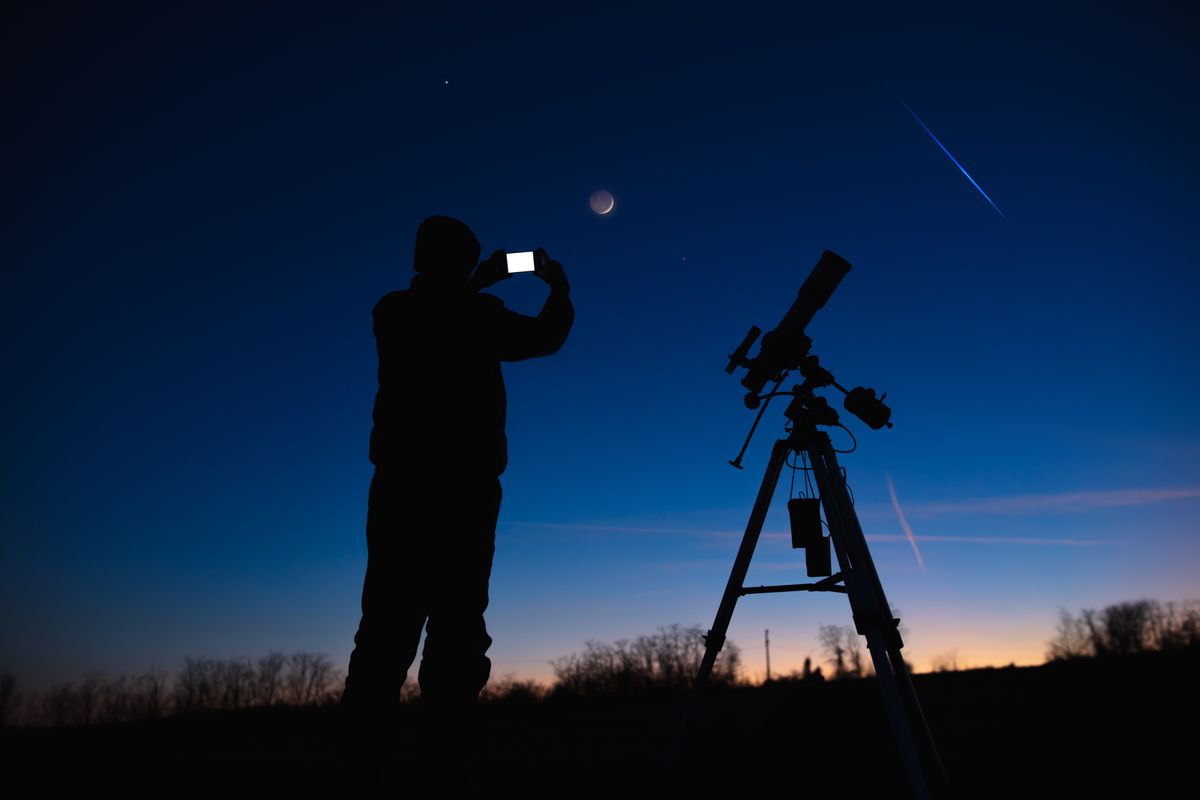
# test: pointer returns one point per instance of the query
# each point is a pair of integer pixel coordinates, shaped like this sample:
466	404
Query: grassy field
1072	729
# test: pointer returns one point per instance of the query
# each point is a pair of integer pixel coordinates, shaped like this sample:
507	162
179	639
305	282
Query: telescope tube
783	347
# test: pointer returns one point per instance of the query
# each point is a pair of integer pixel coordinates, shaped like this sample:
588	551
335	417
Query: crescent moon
602	202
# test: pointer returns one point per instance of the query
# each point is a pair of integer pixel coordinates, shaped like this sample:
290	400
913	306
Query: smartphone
520	262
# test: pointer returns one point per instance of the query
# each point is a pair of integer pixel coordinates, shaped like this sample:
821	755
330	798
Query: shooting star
904	524
952	158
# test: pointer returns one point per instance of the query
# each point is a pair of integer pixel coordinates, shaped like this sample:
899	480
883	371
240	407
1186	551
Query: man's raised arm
519	337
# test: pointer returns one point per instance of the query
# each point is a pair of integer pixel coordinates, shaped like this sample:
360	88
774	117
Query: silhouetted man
439	447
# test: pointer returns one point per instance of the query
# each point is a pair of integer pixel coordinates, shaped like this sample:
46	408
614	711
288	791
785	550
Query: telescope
785	349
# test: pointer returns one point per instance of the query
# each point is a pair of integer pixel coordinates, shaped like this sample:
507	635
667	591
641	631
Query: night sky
202	205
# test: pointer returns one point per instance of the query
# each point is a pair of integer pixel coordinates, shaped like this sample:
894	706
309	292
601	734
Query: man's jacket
441	403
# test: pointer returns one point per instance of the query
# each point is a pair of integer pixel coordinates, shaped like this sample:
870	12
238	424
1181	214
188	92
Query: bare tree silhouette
202	684
664	661
310	678
133	698
268	679
844	648
60	705
1070	638
87	698
10	697
194	688
1122	628
946	662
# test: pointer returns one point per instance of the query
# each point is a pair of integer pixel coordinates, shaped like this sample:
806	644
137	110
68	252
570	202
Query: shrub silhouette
10	697
663	662
300	679
666	661
510	690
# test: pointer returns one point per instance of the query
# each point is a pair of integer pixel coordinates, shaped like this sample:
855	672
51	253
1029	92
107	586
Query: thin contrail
588	526
947	152
1058	503
904	523
895	537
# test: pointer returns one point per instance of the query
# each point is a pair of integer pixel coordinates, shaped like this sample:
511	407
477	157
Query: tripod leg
872	616
895	711
715	639
908	691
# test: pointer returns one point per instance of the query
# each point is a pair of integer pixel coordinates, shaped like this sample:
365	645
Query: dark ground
1094	727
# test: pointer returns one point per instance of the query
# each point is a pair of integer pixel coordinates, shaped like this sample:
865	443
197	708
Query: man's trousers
430	539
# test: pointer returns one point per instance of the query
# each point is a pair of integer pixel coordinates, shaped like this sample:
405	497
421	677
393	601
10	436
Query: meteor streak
952	158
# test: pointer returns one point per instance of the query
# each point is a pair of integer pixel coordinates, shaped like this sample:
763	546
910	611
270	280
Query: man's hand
550	271
490	271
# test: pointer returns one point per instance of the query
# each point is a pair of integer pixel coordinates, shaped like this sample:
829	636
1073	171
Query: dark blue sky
202	205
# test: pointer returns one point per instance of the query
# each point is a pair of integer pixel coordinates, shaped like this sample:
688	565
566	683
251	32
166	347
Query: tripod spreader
829	584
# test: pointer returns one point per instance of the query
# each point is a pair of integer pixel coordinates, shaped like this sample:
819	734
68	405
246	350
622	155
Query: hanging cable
792	487
852	439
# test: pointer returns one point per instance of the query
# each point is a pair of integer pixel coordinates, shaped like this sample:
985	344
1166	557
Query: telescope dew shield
783	347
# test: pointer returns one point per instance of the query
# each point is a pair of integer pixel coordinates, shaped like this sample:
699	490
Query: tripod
856	578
